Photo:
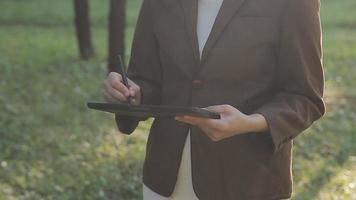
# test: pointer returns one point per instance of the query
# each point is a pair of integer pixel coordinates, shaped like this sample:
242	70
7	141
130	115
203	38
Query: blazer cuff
127	124
279	134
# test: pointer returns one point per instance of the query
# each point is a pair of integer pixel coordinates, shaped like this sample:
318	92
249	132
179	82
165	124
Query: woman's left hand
232	122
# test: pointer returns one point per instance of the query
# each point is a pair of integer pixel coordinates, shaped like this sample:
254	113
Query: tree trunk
116	32
82	25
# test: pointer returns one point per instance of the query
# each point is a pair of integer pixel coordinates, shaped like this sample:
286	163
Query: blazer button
196	83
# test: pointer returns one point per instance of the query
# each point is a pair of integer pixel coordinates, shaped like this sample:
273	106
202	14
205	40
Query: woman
258	63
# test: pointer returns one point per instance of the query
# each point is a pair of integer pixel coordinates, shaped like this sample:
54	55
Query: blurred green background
53	147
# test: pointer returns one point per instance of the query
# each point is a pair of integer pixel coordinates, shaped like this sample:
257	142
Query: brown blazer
262	56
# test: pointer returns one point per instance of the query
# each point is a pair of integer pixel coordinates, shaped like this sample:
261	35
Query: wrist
256	123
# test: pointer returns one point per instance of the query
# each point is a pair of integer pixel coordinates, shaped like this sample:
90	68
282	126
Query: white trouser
184	187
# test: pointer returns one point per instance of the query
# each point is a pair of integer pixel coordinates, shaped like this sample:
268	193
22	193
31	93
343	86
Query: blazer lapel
190	8
227	11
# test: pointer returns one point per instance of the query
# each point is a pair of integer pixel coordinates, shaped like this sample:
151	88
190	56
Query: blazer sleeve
144	66
298	101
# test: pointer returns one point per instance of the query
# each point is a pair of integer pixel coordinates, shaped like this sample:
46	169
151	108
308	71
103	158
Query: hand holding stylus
119	88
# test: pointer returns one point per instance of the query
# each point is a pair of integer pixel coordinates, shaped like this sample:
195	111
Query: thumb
219	108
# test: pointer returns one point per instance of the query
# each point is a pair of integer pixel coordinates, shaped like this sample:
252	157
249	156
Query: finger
109	98
179	118
210	132
211	123
215	125
120	87
195	120
182	119
114	76
115	93
206	124
115	81
219	108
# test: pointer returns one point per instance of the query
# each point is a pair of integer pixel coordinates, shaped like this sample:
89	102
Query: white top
207	12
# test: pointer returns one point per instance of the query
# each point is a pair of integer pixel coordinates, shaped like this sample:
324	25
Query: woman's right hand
115	91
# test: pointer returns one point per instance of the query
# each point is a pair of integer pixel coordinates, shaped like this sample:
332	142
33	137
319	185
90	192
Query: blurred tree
82	25
116	32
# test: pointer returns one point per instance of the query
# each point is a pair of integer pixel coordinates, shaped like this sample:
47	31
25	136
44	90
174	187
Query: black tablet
152	110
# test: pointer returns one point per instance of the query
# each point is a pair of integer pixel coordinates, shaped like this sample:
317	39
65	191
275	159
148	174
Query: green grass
53	147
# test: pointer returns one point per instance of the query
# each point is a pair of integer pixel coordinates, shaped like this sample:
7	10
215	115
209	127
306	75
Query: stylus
122	69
